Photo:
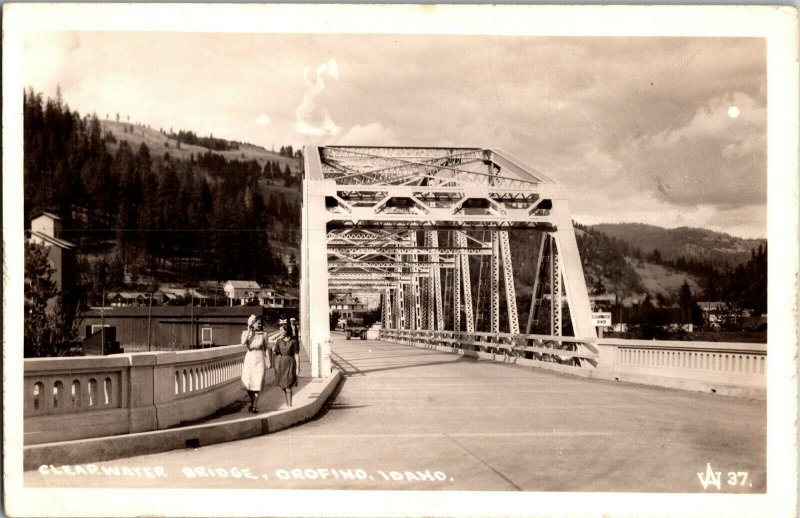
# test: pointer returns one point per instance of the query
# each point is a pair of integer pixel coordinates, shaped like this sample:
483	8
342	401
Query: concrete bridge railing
737	369
95	396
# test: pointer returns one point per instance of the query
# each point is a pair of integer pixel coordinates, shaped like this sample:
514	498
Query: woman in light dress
254	361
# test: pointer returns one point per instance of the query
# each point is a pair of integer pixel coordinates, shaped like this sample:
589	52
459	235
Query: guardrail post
608	357
141	393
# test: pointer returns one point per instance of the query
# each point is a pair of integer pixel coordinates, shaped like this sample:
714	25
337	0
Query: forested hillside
143	213
606	264
690	243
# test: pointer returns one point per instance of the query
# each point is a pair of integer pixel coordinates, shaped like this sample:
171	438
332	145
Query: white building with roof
241	292
46	231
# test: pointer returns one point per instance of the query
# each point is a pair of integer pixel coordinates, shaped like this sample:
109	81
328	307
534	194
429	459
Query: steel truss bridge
419	226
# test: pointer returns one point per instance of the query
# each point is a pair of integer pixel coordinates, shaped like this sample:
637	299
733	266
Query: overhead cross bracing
428	229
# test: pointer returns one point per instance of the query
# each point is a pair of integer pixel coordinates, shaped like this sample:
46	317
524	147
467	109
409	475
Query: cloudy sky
667	131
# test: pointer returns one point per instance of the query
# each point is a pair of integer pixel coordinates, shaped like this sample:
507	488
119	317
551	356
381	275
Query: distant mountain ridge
688	242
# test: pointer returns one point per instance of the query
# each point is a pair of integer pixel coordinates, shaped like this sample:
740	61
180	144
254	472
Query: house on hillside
241	292
46	230
127	298
179	296
346	304
169	328
272	299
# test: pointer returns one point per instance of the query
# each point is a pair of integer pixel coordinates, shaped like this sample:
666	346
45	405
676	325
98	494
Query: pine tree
39	290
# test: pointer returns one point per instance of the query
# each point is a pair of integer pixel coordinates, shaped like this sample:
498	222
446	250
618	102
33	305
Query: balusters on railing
92	389
80	387
76	394
58	394
201	377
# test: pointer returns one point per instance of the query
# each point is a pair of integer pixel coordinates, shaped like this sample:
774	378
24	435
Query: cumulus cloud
263	120
713	159
372	134
310	120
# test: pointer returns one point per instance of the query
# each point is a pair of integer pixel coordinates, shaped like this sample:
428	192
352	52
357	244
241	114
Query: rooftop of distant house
48	214
52	240
244	284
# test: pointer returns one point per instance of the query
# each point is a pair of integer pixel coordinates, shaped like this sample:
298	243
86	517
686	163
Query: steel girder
437	281
538	283
494	286
429	303
457	274
391	250
387	264
466	284
555	298
508	277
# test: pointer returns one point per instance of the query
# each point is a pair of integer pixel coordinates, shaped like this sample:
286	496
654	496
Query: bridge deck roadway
438	421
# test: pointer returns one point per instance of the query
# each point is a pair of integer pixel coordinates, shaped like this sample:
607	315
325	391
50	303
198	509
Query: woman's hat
251	320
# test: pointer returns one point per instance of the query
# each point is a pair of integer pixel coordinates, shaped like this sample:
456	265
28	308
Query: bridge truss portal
418	225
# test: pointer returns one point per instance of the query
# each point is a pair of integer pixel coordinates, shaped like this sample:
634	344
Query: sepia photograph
399	260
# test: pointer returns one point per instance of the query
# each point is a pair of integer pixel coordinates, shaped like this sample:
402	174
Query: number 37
737	478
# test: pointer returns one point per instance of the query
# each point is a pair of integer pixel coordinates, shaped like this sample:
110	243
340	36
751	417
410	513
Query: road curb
307	403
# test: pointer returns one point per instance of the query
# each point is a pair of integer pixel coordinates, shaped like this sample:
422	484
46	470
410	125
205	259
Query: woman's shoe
254	409
250	408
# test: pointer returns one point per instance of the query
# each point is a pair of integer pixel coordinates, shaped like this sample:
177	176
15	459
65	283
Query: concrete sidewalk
231	423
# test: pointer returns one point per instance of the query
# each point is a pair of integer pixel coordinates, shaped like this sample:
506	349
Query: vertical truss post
386	313
430	315
437	283
537	285
415	292
410	316
402	308
495	284
556	289
396	306
457	291
430	281
466	281
479	313
508	276
401	296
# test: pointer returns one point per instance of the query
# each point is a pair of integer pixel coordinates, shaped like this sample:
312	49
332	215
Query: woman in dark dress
286	349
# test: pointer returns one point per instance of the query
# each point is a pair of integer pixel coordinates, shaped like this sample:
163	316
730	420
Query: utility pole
149	318
191	315
103	323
